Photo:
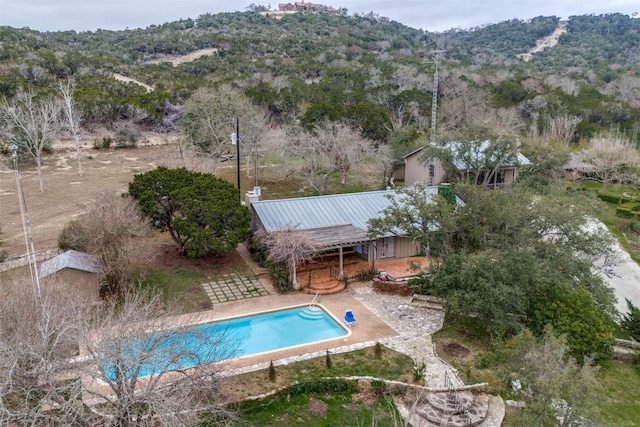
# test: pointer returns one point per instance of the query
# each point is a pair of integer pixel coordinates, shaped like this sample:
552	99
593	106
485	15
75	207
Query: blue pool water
244	336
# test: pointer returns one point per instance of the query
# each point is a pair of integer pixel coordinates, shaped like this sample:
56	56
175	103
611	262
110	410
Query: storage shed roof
70	259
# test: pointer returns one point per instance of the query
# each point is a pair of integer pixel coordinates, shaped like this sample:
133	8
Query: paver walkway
415	326
233	287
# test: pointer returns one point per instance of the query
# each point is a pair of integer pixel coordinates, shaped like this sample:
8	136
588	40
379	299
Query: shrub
573	312
612	198
328	361
66	238
367	274
322	385
631	227
418	371
126	138
377	350
379	388
420	285
103	143
279	275
272	372
629	210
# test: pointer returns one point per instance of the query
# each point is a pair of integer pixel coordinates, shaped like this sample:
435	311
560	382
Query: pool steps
311	313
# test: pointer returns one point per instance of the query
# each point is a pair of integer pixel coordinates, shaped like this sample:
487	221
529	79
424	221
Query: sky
429	15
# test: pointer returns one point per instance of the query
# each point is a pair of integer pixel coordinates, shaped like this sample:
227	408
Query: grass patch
620	402
179	287
341	410
389	365
466	333
617	226
310	403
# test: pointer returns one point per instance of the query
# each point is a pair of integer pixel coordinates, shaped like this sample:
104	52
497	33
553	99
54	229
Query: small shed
77	272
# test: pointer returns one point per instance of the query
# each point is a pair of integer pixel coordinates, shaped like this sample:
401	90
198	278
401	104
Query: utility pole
255	149
235	140
28	238
434	103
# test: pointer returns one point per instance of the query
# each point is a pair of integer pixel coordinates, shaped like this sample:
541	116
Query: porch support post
373	254
341	262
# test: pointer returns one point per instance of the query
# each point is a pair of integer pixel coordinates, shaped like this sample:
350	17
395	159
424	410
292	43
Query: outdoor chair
349	318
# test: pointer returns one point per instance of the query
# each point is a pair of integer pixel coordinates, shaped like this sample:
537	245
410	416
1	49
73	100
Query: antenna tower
434	103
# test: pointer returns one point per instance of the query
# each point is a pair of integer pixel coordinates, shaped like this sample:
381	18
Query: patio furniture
349	318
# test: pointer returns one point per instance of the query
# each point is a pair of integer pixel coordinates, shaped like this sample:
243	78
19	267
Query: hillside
309	64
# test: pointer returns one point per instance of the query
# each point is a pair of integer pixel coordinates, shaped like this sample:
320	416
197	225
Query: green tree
422	216
491	285
572	312
370	119
201	212
402	141
630	322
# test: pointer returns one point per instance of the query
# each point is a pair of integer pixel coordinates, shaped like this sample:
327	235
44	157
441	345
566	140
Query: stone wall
23	260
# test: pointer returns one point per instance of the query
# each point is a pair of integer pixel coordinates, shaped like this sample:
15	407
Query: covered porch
322	275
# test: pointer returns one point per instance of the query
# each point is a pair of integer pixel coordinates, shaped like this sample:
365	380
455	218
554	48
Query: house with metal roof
477	165
337	223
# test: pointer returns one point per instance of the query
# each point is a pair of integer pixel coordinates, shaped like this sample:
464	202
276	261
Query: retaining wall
23	260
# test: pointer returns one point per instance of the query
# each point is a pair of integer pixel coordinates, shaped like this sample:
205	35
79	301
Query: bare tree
73	117
290	246
610	157
463	104
144	366
186	156
127	373
32	125
33	385
331	147
109	230
209	119
561	128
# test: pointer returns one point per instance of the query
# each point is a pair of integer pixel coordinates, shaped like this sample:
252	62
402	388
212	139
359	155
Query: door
387	247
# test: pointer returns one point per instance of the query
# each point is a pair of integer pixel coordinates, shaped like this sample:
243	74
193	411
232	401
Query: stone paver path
234	287
415	326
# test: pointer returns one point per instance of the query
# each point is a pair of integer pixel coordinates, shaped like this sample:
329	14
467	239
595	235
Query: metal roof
304	213
70	259
484	145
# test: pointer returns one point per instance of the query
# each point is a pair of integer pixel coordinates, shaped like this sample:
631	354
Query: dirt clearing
67	194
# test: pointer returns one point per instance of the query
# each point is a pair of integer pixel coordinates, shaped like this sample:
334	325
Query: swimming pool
243	336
